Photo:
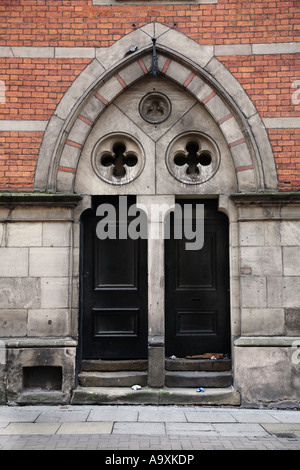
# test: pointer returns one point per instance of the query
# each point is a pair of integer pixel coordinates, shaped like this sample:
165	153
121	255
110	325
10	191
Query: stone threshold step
113	379
198	364
114	365
150	396
198	379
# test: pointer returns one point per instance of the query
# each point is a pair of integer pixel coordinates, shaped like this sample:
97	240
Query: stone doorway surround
105	92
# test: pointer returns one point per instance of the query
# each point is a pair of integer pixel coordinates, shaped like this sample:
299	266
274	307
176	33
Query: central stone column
156	208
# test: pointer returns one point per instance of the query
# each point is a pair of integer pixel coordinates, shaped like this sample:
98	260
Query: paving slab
285	416
139	428
86	428
62	416
190	429
30	428
18	415
3	425
282	428
113	414
253	416
240	429
209	416
150	415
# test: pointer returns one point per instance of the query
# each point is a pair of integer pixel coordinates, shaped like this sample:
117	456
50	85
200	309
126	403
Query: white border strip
277	48
49	52
22	126
282	123
90	52
258	49
152	2
40	126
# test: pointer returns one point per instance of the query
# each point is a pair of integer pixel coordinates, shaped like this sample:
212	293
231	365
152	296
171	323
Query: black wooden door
197	289
113	292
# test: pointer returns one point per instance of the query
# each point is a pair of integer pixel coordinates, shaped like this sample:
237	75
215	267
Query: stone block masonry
35	269
38	279
269	276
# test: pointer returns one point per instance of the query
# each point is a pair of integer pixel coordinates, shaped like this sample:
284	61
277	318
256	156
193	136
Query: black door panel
197	289
114	292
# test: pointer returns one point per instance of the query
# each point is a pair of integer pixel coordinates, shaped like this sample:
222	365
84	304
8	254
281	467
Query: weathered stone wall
265	352
39	278
35	269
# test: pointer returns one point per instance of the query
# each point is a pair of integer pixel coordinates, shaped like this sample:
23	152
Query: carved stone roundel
155	107
118	158
193	158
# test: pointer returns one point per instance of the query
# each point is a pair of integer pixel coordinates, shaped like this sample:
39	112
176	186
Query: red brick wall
77	23
268	80
18	155
286	148
35	86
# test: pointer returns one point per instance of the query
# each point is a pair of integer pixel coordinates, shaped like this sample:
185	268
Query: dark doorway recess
114	315
197	287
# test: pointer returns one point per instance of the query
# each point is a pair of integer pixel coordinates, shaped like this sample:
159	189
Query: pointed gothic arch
192	67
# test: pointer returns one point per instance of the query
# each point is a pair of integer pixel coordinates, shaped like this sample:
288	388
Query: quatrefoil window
193	158
118	159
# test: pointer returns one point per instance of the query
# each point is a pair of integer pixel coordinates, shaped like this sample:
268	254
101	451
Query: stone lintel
35	198
39	342
267	198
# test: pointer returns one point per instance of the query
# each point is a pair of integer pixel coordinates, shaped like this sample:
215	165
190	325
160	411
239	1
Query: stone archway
196	71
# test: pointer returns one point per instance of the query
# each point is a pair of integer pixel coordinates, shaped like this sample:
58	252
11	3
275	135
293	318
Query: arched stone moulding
180	59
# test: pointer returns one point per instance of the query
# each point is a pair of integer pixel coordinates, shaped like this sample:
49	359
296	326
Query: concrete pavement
189	428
